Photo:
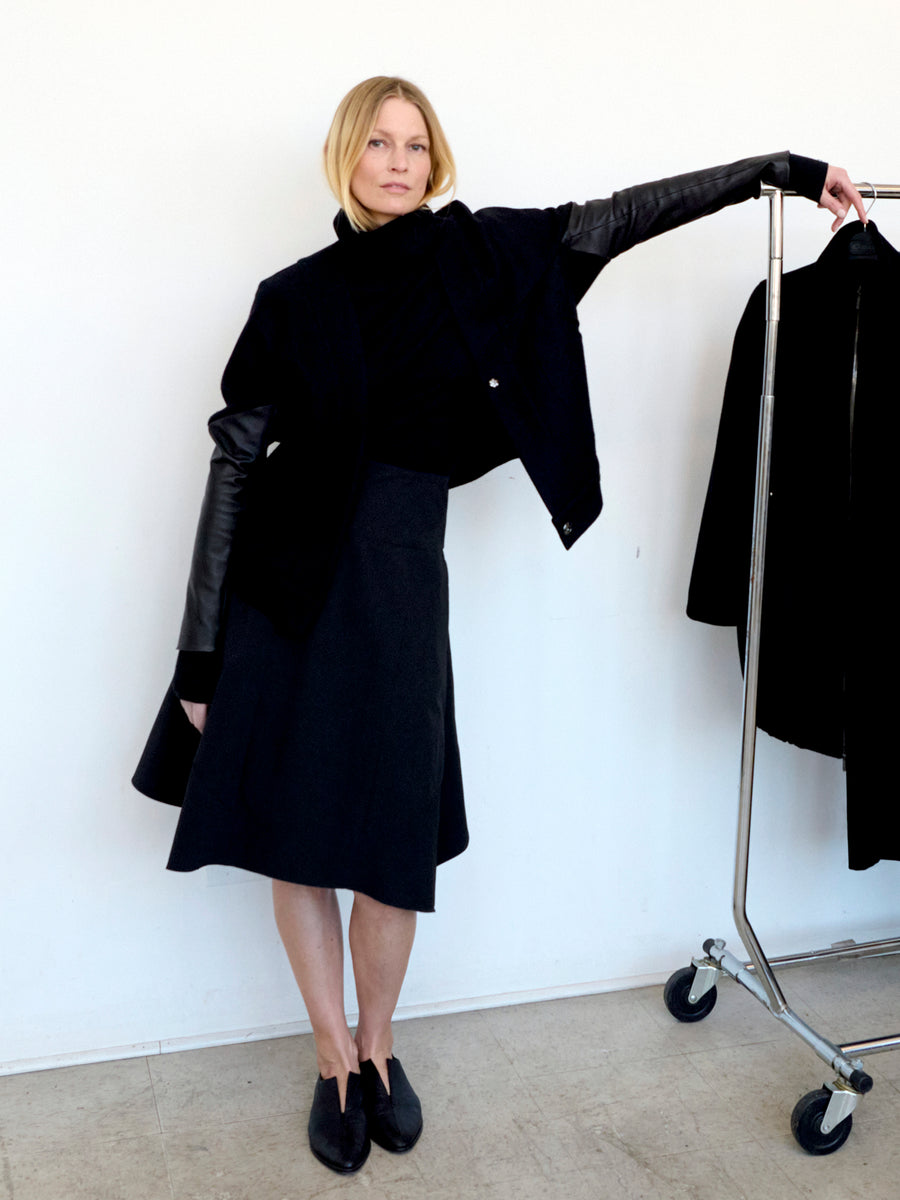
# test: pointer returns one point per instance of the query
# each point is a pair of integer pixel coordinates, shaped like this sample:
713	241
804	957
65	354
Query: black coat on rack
829	654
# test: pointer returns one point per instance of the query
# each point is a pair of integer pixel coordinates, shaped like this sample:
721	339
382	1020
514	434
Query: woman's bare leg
309	922
381	939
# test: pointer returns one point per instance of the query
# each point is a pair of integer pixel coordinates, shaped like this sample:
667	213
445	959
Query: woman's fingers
196	713
839	195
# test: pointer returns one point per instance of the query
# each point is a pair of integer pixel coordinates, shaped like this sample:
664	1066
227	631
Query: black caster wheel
677	993
806	1124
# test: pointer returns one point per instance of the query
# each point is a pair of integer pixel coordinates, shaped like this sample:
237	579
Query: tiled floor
582	1099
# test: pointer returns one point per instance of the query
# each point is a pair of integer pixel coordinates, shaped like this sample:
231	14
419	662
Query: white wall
163	158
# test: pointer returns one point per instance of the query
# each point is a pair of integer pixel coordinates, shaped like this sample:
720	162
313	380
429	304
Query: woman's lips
394	187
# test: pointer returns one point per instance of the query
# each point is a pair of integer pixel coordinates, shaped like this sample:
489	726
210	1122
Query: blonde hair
350	130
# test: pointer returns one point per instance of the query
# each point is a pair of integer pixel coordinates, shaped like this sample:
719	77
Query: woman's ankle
334	1064
378	1051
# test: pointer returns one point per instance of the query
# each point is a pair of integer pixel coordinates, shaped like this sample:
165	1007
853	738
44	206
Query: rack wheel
677	997
806	1124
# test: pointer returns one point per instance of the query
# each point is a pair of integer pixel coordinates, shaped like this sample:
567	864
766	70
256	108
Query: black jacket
827	659
274	523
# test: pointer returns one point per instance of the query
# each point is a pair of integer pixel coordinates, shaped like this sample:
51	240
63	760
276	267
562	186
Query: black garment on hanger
829	653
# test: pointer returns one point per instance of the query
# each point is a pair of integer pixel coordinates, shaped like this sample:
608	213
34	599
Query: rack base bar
851	949
872	1045
847	1069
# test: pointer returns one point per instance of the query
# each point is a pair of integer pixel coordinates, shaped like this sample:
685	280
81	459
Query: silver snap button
567	529
493	383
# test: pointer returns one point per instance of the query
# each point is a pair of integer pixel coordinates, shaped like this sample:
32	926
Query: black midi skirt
334	761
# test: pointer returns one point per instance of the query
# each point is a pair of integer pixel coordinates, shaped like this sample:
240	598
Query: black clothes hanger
862	246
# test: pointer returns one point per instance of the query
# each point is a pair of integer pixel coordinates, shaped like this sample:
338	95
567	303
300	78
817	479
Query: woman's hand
196	713
838	194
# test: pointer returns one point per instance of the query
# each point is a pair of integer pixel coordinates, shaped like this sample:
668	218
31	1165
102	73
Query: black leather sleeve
606	228
241	439
242	432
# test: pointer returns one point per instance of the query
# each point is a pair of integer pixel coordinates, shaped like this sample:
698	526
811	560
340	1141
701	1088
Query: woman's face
392	176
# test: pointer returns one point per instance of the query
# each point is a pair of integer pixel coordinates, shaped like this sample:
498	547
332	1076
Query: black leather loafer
395	1118
338	1139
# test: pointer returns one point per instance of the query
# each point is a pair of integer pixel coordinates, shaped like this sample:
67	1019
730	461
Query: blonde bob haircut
350	131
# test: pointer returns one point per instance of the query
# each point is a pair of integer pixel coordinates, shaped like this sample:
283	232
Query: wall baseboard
202	1041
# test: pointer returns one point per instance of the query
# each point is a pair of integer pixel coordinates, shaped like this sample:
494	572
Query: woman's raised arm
608	227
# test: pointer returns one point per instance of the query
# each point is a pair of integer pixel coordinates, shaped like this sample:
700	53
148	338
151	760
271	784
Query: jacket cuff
807	176
196	675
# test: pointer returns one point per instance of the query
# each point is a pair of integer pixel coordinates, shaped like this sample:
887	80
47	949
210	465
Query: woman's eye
376	143
419	147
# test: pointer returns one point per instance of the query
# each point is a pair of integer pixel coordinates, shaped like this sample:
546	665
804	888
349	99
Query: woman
417	352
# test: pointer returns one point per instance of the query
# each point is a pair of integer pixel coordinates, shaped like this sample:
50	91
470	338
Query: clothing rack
822	1119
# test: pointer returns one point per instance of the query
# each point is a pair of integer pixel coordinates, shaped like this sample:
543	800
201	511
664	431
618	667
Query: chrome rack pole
758	961
754	609
757	976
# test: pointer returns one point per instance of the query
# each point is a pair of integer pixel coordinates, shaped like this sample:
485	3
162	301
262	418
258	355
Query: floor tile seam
723	1099
512	1170
766	1147
28	1145
165	1153
777	1046
682	1191
523	1082
163	1147
204	1127
622	1058
541	1157
559	1172
484	1015
408	1160
715	1083
784	1038
719	1147
153	1093
636	1149
590	1174
6	1176
609	1136
614	1140
778	1081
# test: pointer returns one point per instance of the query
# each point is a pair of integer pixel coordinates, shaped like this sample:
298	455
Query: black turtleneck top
420	373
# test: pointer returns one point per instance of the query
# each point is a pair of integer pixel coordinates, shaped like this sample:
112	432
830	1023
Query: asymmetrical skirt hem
333	761
393	896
